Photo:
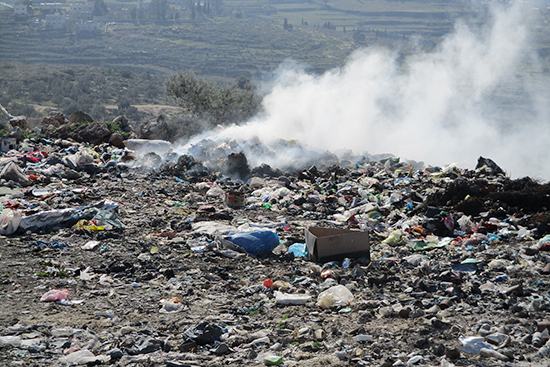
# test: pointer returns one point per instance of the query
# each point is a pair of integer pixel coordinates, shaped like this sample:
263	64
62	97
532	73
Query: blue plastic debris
501	278
54	244
298	249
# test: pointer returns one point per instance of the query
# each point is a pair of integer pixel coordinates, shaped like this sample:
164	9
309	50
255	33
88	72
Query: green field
247	38
241	38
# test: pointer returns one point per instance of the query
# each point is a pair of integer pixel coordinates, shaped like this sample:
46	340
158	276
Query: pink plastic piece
54	295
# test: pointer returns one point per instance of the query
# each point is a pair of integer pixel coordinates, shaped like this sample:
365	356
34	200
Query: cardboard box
234	199
327	244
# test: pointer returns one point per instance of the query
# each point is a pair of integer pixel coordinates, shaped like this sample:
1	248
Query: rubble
201	258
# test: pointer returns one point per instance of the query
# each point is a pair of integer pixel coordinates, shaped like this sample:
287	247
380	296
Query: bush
213	102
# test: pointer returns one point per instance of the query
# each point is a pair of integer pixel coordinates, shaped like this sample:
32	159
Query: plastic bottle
362	338
537	339
291	299
346	263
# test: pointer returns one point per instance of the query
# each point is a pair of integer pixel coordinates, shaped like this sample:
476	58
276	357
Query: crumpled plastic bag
395	238
203	333
11	171
473	344
9	221
334	297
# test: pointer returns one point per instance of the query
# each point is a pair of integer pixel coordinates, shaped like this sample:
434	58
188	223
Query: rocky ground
138	249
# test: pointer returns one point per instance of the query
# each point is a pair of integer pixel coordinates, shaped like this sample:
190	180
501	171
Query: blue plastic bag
298	249
255	243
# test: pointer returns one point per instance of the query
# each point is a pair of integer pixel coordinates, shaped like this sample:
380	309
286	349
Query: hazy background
428	80
479	92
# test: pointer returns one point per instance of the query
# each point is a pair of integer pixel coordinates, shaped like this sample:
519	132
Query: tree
193	12
217	7
286	24
211	101
100	8
159	8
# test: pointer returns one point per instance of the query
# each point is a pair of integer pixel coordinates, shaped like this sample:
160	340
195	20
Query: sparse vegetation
214	102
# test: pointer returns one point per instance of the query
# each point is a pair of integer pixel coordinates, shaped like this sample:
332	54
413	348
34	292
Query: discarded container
362	338
291	299
334	297
326	244
234	199
493	354
8	144
537	339
256	243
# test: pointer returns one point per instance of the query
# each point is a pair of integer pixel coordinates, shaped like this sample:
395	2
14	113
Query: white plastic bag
9	221
334	297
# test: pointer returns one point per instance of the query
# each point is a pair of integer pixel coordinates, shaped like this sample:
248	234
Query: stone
80	116
20	122
155	129
95	133
116	140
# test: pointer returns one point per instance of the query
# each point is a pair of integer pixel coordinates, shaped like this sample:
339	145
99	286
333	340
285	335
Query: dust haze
481	92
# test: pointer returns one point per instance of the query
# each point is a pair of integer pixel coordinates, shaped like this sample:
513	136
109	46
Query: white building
82	10
55	21
86	7
50	8
19	10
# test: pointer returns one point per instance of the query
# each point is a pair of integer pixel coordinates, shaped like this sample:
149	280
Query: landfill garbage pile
130	257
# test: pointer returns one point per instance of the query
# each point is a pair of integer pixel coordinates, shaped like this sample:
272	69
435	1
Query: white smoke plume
479	93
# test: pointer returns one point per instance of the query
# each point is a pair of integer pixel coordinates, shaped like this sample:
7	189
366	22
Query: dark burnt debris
154	256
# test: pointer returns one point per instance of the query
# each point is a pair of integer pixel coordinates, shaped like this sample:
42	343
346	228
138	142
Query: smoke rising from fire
479	93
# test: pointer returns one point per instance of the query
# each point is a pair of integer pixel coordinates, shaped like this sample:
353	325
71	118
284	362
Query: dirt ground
408	308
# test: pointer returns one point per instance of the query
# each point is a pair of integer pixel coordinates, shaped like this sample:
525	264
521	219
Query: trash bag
255	243
203	333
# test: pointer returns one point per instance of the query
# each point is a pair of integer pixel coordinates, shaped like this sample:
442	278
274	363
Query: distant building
55	21
89	26
19	10
50	8
82	10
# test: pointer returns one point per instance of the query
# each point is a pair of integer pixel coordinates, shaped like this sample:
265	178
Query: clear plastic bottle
346	263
